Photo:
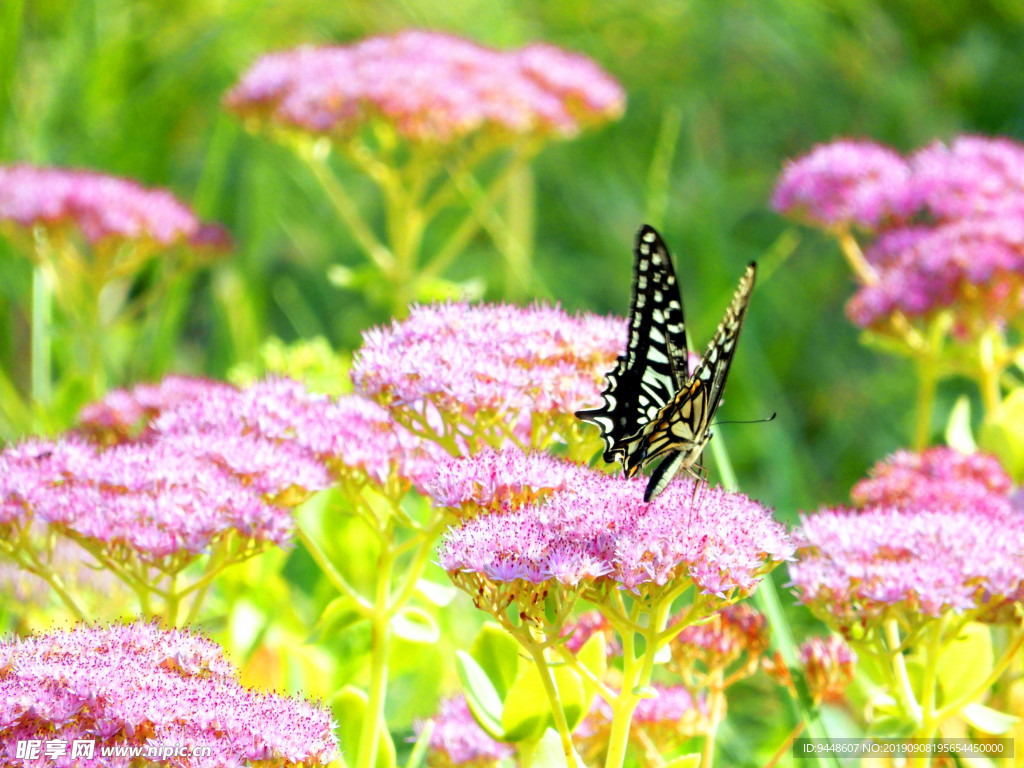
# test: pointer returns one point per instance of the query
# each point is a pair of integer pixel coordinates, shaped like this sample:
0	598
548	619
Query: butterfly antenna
752	421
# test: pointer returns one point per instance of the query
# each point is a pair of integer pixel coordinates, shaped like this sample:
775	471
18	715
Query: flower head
828	665
458	741
149	498
506	479
847	183
668	718
599	530
99	208
136	684
973	176
427	87
853	569
346	435
124	414
734	632
975	265
580	629
939	478
471	365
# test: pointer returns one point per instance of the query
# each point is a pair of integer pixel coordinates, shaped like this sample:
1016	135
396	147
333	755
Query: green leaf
549	752
415	626
967	659
340	614
1001	434
691	760
527	709
890	728
958	428
349	707
484	701
988	720
573	694
527	712
418	756
436	594
594	657
497	653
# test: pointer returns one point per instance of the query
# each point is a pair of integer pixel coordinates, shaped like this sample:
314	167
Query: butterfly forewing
654	366
652	408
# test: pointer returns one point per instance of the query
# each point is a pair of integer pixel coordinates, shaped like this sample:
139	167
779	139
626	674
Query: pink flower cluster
152	498
598	528
497	480
939	478
581	628
458	740
100	208
139	685
855	568
428	87
948	222
732	631
124	414
312	433
828	665
668	718
467	361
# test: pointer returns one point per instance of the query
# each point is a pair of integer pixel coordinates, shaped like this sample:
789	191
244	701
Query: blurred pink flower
854	568
828	665
948	224
429	87
136	684
100	208
458	741
846	183
939	478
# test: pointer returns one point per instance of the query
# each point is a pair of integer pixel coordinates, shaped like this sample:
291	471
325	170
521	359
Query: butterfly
654	408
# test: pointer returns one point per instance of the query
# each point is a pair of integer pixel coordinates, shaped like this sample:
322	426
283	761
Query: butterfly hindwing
652	408
654	366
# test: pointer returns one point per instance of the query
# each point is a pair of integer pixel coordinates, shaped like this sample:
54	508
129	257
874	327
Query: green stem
636	674
332	573
927	379
547	679
953	708
42	338
414	569
405	225
349	213
380	622
989	369
28	559
480	206
716	702
904	689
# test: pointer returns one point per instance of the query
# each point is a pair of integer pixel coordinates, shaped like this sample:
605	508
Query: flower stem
349	213
537	652
926	382
42	338
380	623
904	690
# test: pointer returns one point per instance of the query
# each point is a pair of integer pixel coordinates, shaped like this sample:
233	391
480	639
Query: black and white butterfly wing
680	430
654	367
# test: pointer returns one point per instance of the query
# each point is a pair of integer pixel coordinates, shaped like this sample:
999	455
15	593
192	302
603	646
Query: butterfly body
654	408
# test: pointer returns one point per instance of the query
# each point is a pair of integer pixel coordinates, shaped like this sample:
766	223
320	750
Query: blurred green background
733	88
